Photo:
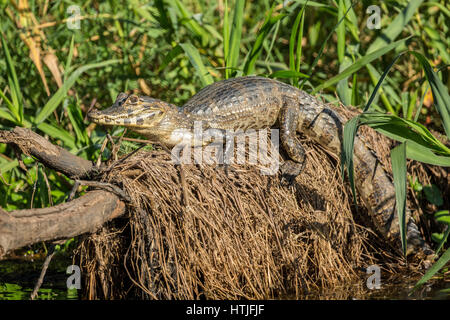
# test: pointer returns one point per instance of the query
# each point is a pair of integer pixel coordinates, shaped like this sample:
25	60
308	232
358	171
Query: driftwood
85	214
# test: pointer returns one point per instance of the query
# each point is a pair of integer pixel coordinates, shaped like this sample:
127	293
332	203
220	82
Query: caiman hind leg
288	120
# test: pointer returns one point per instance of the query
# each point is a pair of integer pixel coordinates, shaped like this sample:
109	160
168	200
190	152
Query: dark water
18	277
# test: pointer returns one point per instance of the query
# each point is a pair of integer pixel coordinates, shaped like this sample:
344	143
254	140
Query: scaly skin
256	103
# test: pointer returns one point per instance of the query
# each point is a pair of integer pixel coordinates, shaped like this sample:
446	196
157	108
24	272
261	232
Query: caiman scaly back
255	103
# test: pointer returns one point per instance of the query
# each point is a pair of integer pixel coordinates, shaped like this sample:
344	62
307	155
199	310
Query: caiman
253	102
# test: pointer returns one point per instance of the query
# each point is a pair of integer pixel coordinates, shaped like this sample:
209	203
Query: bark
85	214
47	153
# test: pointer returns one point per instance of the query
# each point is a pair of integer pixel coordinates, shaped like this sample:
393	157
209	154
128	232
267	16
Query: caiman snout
98	117
93	114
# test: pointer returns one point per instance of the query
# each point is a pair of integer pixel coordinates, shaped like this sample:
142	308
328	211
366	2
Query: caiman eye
133	99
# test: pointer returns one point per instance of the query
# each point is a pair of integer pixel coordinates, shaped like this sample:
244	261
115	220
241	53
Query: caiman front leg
288	120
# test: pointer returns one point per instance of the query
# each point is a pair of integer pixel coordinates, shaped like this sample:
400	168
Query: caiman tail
375	187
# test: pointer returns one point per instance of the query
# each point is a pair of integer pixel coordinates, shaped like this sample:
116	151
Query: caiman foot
417	247
289	171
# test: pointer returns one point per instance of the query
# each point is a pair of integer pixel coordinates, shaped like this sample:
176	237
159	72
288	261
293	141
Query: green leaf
393	30
257	47
231	61
286	74
58	133
320	52
441	7
226	37
443	239
176	51
196	60
313	3
350	129
352	20
76	119
293	39
398	158
434	269
295	43
443	216
8	165
5	114
16	105
190	22
69	57
424	154
403	130
433	195
358	64
437	43
342	88
439	90
341	32
56	99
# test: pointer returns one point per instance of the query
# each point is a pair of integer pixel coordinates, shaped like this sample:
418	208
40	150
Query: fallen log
85	214
50	155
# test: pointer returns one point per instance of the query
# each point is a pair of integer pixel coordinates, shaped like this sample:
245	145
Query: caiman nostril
92	113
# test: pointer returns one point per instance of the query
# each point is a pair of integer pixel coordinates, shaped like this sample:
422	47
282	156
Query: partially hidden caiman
253	102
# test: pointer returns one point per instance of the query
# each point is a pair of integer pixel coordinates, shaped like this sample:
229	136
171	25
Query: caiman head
150	117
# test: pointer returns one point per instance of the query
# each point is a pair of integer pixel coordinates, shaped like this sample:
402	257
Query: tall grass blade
393	30
434	269
358	64
380	82
257	47
56	99
226	38
444	217
287	74
235	37
190	22
398	159
16	105
76	119
319	55
342	88
439	90
69	58
6	115
295	43
340	31
403	130
58	133
350	129
292	40
423	154
353	20
196	60
176	51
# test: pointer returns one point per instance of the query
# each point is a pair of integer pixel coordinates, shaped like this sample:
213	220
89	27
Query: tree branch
47	153
85	214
